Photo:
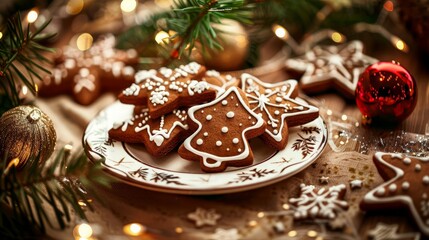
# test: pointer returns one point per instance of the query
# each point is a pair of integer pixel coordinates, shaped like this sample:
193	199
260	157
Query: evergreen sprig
45	194
191	21
20	58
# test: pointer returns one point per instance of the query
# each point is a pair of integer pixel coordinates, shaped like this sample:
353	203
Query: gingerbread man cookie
87	74
331	66
406	186
274	103
221	129
164	90
159	135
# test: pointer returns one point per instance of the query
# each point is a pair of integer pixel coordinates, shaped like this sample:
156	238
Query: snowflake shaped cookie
167	89
225	234
203	217
159	135
331	66
86	75
322	203
274	103
221	129
407	185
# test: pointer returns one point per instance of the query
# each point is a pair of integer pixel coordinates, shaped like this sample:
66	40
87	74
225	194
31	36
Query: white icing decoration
224	102
205	134
197	87
418	167
405	185
209	117
134	90
321	204
159	135
230	114
261	102
392	187
235	140
84	80
218	143
217	160
224	129
425	180
159	96
407	161
200	141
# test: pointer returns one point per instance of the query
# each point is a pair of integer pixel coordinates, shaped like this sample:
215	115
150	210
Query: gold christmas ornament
235	42
26	133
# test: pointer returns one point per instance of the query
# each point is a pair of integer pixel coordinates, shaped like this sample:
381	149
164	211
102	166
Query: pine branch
29	199
21	49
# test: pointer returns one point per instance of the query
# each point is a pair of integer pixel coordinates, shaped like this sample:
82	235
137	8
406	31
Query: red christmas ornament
387	92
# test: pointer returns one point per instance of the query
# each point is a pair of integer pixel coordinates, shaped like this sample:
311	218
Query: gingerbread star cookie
331	66
406	185
324	203
164	90
159	135
85	75
274	103
220	81
221	129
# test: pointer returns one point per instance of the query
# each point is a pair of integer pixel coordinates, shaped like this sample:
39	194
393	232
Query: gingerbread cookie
274	103
219	81
406	186
159	135
167	89
86	75
324	203
331	66
221	132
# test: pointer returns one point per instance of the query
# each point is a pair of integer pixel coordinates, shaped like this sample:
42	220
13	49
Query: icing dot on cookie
405	185
392	187
205	134
218	143
380	192
239	150
253	123
249	117
230	114
235	140
224	102
240	124
236	105
279	99
407	161
224	129
276	112
275	131
426	179
200	141
227	149
209	117
202	111
418	167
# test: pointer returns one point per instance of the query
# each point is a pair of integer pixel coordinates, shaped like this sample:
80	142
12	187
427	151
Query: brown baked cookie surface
406	186
327	67
85	75
221	129
166	89
159	136
274	103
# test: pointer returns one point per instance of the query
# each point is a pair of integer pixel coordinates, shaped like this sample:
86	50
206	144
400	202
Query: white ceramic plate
132	164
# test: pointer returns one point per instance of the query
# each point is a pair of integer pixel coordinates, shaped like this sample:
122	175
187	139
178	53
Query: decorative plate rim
180	188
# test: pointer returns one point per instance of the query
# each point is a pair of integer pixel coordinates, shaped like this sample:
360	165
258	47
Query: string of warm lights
388	7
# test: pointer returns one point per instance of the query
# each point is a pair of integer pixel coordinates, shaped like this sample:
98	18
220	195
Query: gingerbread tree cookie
324	203
275	104
221	132
406	185
167	89
85	75
331	66
159	135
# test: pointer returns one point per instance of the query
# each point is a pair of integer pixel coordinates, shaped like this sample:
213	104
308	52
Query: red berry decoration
386	92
